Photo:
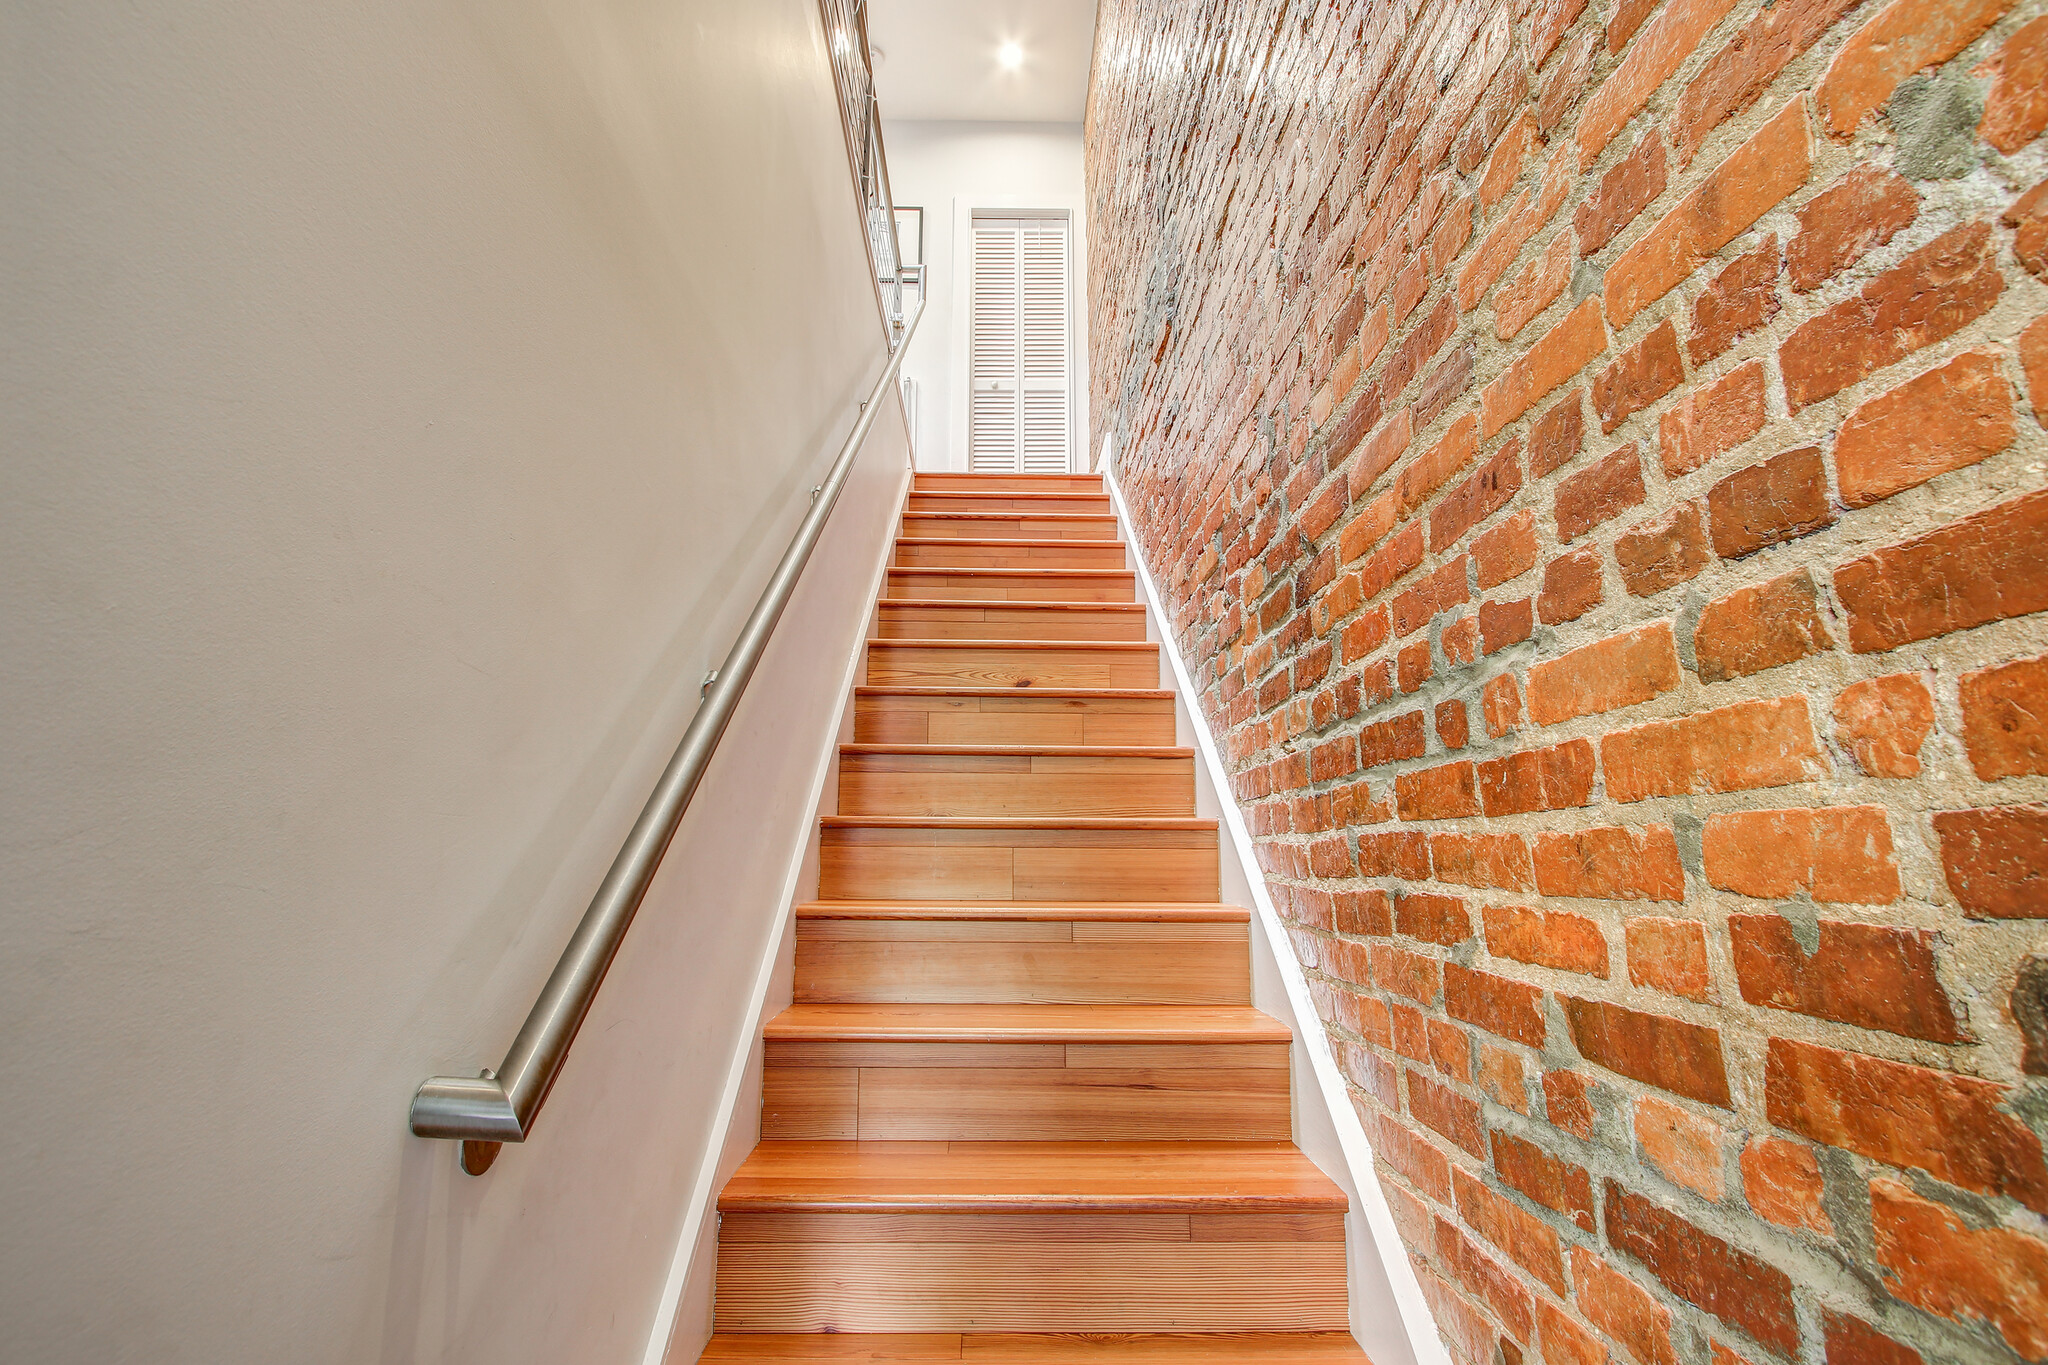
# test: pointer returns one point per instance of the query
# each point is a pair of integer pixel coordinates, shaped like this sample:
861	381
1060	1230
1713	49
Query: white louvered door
1020	407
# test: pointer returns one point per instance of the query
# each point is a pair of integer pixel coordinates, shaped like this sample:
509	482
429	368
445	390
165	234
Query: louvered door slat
1020	346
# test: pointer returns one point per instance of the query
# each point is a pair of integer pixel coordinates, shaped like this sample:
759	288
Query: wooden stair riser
896	782
987	1348
1024	1091
1017	716
1002	621
1012	526
966	961
973	664
1039	504
999	554
1031	1273
883	863
1000	483
1012	585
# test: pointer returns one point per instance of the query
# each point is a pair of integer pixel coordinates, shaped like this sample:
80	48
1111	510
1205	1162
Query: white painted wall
950	169
401	404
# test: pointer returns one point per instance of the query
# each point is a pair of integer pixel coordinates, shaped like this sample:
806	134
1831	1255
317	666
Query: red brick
2028	217
1933	293
1445	792
1563	351
1567	1100
1547	938
1532	289
1331	857
1762	171
1911	1117
1435	467
1883	722
1504	162
1501	1077
1734	1286
1495	860
1376	455
1599	493
1549	1180
1467	1334
1760	627
1440	591
1712	420
1439	1107
1548	21
1502	1007
1413	666
1460	640
1937	1262
1386	741
1434	919
1840	225
1559	778
1668	1053
2017	109
1731	81
1501	704
1669	955
1737	301
1610	864
1659	50
1567	81
1453	725
1782	1182
1781	499
1986	567
1362	913
1571	586
1663	553
1950	417
1638	377
1851	1341
1506	552
2005	718
1839	854
1564	1341
1502	1292
1901	38
1415	1157
1862	974
1764	743
1405	973
1996	860
1402	853
1620	671
1526	1239
1619	1307
2034	359
1476	499
1504	623
1625	191
1556	437
1684	1147
1450	1051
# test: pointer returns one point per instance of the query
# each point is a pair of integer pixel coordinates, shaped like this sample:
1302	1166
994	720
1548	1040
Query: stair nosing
910	643
1190	912
1024	750
1102	693
1008	604
1188	822
1243	1030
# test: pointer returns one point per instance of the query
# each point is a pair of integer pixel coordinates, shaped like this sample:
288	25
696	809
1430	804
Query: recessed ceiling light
1010	56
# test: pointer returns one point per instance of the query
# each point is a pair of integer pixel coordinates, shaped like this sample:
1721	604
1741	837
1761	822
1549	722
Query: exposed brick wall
1593	452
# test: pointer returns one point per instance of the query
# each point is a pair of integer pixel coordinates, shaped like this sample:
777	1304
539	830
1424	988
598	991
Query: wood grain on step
1014	585
884	858
844	1348
967	620
1007	526
969	500
1050	781
1015	664
950	553
1134	716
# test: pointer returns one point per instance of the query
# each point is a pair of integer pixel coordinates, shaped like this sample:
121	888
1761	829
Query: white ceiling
937	58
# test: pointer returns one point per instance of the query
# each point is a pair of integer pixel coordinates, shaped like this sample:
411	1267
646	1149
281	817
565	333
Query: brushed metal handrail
501	1106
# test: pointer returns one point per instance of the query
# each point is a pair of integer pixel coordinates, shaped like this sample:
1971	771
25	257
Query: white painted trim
1381	1276
737	1088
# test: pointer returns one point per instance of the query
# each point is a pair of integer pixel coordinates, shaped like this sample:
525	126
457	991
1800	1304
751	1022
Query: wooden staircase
1022	1109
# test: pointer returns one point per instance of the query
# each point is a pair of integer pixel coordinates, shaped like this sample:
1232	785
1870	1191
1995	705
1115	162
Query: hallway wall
1593	451
403	405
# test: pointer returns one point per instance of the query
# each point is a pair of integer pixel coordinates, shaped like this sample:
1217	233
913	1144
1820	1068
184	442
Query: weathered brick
1996	860
1549	1180
1485	860
1949	417
1502	1077
1445	792
1900	39
1558	778
1562	352
1764	743
1911	1117
1564	1341
1737	301
1883	722
1861	974
1400	853
2005	718
1572	586
1506	552
1680	1144
1479	497
1751	629
1377	454
2028	217
1851	1341
1510	1009
1840	225
1500	1290
1938	1262
1404	973
1781	499
1620	671
1556	437
1568	1102
1734	1286
2034	359
1527	1239
1669	955
1503	623
2016	111
1782	1182
1440	591
1659	50
1838	854
1931	294
1619	1307
1712	420
1434	919
1501	704
1444	1109
1385	741
1663	553
1667	1053
1765	169
1599	493
1731	81
1547	938
1625	191
1986	567
1639	376
1610	864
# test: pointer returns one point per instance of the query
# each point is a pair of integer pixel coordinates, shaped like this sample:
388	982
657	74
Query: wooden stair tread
1008	542
933	1177
1185	912
1107	646
1025	750
1177	822
976	1348
1009	604
1019	573
1009	1023
1090	693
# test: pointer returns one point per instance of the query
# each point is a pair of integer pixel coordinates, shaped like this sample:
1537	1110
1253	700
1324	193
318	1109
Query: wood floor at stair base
1011	717
884	863
1000	961
1075	1284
